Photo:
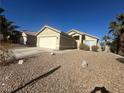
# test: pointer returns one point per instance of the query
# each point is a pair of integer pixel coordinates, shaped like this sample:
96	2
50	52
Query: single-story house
83	38
28	38
48	37
52	38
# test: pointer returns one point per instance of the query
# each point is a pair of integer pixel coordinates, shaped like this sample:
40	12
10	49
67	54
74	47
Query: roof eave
82	33
46	26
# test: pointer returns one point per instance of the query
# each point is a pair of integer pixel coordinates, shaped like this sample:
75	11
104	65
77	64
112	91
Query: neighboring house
28	38
51	38
83	38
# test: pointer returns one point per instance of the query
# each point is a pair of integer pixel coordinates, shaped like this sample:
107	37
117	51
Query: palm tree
1	10
2	23
6	26
107	39
1	17
117	29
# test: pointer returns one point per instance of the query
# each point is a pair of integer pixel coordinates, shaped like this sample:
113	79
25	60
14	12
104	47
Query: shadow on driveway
102	89
121	60
36	79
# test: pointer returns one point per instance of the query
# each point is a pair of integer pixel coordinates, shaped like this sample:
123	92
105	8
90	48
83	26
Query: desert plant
95	48
6	56
117	30
84	47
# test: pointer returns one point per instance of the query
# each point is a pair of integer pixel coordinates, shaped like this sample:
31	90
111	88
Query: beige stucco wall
67	42
89	38
49	33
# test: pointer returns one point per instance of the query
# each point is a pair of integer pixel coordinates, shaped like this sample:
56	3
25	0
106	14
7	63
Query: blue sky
90	16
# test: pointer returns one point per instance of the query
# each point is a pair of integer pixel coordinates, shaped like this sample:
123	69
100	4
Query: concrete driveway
27	52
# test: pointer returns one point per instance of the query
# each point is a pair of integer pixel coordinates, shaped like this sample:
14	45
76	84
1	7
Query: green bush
95	48
84	47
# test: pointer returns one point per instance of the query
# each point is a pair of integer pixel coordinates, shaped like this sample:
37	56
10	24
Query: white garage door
48	42
89	42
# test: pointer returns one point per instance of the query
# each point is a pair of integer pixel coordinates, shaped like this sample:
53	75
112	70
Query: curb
117	55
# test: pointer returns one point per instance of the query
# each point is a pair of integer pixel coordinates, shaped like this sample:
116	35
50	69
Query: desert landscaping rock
52	53
84	64
104	70
20	61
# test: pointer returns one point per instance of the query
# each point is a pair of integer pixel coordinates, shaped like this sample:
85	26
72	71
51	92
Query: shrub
84	47
113	46
6	56
103	48
95	48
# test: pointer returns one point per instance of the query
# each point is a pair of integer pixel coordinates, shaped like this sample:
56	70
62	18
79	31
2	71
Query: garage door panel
48	42
89	42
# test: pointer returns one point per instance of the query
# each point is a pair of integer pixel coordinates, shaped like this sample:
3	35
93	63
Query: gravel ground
40	74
